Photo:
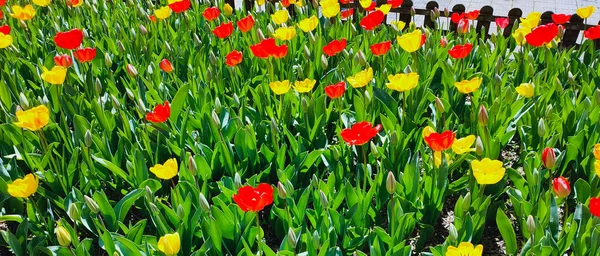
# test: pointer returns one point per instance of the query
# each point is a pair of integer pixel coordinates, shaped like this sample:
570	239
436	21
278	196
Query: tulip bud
316	239
130	94
197	39
323	199
374	150
236	100
23	100
192	167
98	86
63	236
452	233
154	208
306	52
311	38
541	128
443	42
479	146
104	25
463	27
304	105
439	106
561	31
315	181
598	96
88	138
273	126
548	158
149	194
150	70
446	12
143	30
132	33
91	204
212	58
530	224
499	64
281	192
115	102
412	11
237	181
227	10
204	205
436	11
324	62
291	238
549	110
107	60
73	212
394	138
390	183
336	153
466	202
561	187
215	118
140	106
260	34
180	212
361	58
493	40
120	46
432	15
482	117
131	70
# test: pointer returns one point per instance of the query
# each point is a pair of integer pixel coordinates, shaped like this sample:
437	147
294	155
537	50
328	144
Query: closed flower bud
197	39
237	181
439	106
215	118
598	96
140	106
324	62
132	33
446	12
493	39
311	37
23	101
291	238
361	58
88	139
394	138
270	29
115	102
98	86
180	212
154	208
561	31
479	146
150	69
107	60
549	110
452	233
466	202
236	100
192	167
212	58
314	181
541	129
130	94
436	11
561	187
412	11
530	224
390	183
281	192
432	15
73	212
149	194
143	30
273	126
548	158
323	199
227	10
443	42
63	236
260	34
131	70
336	153
120	46
91	204
374	150
316	238
482	117
499	64
204	205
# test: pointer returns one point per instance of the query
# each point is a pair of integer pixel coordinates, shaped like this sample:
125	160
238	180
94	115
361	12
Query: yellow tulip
520	34
403	82
33	119
162	13
468	86
361	78
365	3
23	188
437	158
298	3
487	171
398	24
169	244
22	13
410	42
597	151
526	90
63	236
463	145
260	2
330	8
465	249
585	12
285	33
54	76
304	86
531	21
42	3
280	17
165	171
5	40
385	8
597	167
309	24
427	131
280	87
228	10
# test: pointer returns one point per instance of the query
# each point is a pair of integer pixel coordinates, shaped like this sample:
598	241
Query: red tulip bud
561	187
548	158
443	42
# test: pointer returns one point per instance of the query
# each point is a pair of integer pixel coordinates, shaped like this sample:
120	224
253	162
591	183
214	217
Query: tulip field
187	127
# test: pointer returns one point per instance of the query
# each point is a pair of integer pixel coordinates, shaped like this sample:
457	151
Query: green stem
365	167
258	234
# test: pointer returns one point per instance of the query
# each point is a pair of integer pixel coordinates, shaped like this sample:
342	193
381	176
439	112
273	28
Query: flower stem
258	234
365	167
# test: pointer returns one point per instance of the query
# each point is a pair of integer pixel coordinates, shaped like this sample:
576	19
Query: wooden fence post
486	15
572	30
405	16
428	23
513	19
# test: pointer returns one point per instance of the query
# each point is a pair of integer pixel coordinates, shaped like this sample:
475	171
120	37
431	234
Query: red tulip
73	2
372	20
335	91
463	26
595	206
1	14
233	58
254	199
423	39
381	48
395	3
561	187
152	18
592	33
443	42
548	158
542	35
371	7
561	18
180	6
360	133
211	13
345	1
279	51
85	54
334	47
502	22
440	142
460	51
472	15
456	17
5	29
166	66
267	48
246	23
285	3
160	114
63	60
347	13
224	30
69	40
2	2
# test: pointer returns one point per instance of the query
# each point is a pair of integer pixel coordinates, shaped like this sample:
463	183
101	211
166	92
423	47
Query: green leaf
507	231
178	101
123	206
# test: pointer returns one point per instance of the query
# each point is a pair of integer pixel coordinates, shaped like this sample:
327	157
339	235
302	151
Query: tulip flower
395	3
597	151
74	3
308	24
531	21
5	40
233	58
443	42
33	119
440	141
152	18
456	17
5	29
595	206
23	188
54	76
519	35
334	47
410	42
224	30
361	79
462	27
548	158
360	133
304	86
371	6
463	145
284	33
330	8
63	60
365	3
335	91
347	13
372	20
169	244
22	13
2	3
162	13
85	54
381	48
561	187
179	6
398	24
460	51
246	24
597	167
254	199
69	40
403	82
468	86
166	66
592	33
487	171
542	35
560	19
165	171
63	236
211	13
472	15
267	48
585	12
502	22
160	114
526	90
385	8
465	249
280	87
41	3
428	130
227	10
280	17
